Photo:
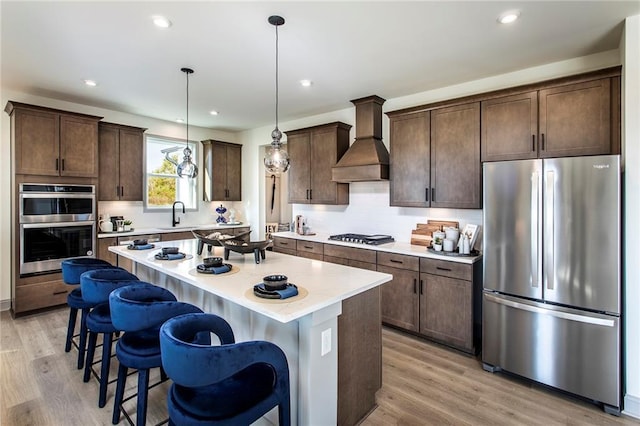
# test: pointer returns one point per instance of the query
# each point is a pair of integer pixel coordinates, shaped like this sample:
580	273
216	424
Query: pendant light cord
187	109
276	77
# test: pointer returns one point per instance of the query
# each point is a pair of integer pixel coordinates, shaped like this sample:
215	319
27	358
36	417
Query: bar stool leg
73	314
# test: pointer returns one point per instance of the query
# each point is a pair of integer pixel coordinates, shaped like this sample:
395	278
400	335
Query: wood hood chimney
367	159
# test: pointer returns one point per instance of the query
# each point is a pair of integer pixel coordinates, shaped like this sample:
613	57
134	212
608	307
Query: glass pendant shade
276	159
187	168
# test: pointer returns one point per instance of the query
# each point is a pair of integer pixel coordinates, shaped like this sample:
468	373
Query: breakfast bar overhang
330	332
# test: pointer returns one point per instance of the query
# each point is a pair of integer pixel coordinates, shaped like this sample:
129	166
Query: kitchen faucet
175	221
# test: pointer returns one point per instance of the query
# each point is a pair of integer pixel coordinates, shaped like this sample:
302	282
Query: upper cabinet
313	151
50	142
121	162
223	171
435	157
562	120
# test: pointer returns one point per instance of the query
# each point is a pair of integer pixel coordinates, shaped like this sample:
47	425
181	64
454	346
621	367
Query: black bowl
141	242
275	282
212	261
170	250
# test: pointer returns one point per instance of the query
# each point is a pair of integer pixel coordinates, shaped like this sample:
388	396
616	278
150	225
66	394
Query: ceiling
348	49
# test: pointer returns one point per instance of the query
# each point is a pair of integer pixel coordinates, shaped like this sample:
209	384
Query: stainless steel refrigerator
552	268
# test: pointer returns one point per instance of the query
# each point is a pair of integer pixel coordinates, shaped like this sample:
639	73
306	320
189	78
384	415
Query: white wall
630	55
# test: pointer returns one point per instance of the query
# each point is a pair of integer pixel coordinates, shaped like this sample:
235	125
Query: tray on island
473	253
214	238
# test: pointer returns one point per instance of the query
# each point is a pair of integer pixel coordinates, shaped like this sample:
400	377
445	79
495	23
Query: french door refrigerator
552	268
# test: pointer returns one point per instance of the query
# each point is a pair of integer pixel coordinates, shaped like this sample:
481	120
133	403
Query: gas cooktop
363	239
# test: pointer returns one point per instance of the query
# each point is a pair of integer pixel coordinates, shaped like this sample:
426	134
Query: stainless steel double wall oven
57	222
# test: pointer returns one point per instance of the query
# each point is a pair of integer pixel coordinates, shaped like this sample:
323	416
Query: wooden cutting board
423	234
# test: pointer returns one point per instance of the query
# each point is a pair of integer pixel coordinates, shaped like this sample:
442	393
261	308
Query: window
162	184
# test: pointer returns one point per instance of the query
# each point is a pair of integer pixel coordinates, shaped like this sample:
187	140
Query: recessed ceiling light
508	17
91	83
161	22
179	120
306	83
213	112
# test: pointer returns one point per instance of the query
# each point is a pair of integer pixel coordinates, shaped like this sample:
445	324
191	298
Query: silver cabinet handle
558	314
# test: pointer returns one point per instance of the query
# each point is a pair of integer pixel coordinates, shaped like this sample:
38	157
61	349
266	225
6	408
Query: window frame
193	145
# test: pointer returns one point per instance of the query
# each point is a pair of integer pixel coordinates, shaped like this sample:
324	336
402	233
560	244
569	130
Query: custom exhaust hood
367	159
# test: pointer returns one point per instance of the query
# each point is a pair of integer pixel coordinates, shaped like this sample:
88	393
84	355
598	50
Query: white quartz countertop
326	283
395	247
167	230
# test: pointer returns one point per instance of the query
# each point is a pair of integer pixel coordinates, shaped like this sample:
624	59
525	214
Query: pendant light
187	168
276	159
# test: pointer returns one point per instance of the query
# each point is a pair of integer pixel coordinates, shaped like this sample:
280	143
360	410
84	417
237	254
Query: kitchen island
305	326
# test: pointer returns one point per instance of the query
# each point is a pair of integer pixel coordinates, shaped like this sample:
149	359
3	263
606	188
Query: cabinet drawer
400	261
309	246
175	236
351	253
310	255
285	251
284	243
338	260
41	295
447	269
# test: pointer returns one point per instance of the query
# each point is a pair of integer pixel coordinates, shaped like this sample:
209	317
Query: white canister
106	225
452	233
447	244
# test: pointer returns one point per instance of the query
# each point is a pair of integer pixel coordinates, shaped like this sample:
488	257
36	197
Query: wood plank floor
423	384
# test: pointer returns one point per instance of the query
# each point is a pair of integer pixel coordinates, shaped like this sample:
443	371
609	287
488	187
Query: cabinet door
299	173
131	165
219	172
103	250
575	119
234	173
409	159
78	147
37	137
510	127
455	157
109	153
400	298
446	310
323	158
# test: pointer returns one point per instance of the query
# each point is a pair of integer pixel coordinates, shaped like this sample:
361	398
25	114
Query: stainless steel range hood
367	159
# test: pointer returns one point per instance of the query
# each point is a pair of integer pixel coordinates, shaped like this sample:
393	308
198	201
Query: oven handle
56	195
57	224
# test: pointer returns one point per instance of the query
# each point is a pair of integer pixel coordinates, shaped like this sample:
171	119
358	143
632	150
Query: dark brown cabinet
410	159
435	158
50	142
121	162
223	171
399	297
313	152
558	121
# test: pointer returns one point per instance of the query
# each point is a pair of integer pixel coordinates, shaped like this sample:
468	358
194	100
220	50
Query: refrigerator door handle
549	231
558	314
536	269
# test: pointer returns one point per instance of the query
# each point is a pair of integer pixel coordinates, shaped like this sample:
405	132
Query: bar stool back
71	271
139	310
230	384
96	286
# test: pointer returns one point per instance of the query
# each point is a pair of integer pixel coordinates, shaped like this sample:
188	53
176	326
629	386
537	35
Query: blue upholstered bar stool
230	384
139	310
71	271
96	286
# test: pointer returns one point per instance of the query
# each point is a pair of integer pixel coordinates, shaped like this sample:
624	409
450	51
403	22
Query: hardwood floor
423	384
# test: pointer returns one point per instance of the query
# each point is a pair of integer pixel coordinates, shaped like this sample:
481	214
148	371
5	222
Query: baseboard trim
632	406
5	305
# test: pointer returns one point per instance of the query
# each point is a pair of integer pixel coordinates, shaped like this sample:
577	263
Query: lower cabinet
37	292
284	245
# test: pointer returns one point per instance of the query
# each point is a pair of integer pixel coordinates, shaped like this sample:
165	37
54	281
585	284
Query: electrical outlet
326	342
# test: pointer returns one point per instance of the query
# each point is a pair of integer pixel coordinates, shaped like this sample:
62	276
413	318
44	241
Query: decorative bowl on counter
275	282
240	246
213	238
